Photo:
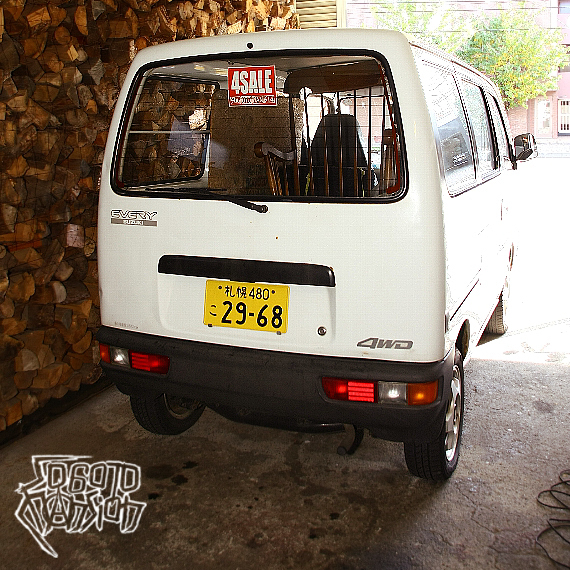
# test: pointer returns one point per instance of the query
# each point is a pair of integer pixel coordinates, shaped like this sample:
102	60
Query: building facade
555	113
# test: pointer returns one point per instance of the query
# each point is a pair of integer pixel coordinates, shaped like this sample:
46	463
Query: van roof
277	41
351	39
440	54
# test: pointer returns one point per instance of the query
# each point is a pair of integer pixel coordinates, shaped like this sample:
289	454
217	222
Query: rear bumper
281	385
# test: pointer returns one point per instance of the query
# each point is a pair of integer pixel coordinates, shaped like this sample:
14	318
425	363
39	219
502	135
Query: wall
62	64
521	119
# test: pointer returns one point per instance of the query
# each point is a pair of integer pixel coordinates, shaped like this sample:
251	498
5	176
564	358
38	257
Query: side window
449	117
481	129
502	143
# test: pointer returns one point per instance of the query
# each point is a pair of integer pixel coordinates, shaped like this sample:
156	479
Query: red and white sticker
252	86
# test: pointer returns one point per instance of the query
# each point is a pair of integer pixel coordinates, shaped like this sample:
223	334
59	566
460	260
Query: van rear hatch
259	201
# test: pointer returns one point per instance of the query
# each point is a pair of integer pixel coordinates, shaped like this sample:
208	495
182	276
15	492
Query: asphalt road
231	496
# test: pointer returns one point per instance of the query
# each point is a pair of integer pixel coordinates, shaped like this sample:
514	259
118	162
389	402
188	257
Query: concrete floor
225	495
231	496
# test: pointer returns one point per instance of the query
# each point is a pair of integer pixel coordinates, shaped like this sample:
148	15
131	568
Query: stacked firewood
62	63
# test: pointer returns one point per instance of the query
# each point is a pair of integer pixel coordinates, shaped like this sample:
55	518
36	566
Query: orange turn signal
422	393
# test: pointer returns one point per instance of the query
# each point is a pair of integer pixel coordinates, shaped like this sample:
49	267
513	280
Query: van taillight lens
422	393
105	352
149	362
361	392
411	394
349	390
335	389
156	363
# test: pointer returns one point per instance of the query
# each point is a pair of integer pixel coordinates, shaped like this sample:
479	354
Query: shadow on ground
226	495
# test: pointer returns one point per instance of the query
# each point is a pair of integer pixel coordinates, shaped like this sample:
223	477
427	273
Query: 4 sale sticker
252	86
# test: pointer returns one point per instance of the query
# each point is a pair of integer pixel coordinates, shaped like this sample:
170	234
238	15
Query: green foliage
520	56
430	22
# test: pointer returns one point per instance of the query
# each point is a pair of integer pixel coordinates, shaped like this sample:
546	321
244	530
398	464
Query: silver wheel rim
453	415
176	408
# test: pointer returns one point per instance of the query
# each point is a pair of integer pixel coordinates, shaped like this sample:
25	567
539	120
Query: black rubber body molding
247	270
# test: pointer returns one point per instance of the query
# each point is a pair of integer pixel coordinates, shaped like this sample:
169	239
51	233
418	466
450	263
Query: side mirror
525	146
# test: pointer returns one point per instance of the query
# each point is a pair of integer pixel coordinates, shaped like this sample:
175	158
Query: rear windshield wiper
238	200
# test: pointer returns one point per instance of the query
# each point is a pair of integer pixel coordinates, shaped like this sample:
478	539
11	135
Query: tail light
150	362
411	394
156	363
361	392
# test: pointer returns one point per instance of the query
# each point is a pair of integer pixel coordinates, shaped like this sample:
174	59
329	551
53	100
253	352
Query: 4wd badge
385	343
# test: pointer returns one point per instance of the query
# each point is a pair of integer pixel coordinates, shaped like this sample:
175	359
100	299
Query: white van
305	229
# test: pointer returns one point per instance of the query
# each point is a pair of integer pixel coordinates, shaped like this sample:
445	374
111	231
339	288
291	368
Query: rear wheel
498	322
438	459
166	415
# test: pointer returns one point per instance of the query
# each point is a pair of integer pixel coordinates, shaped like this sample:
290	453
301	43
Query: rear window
295	127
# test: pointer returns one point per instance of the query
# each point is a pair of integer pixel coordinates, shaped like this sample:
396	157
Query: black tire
166	415
438	459
498	322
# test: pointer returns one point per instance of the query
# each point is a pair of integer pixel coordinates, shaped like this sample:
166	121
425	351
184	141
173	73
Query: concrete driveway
231	496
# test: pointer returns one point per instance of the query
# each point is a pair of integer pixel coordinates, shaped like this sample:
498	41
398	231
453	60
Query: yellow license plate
255	306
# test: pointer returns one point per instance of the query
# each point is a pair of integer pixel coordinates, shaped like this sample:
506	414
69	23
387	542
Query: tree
520	56
431	22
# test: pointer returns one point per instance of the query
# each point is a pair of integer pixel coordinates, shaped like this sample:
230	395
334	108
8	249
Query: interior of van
331	131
